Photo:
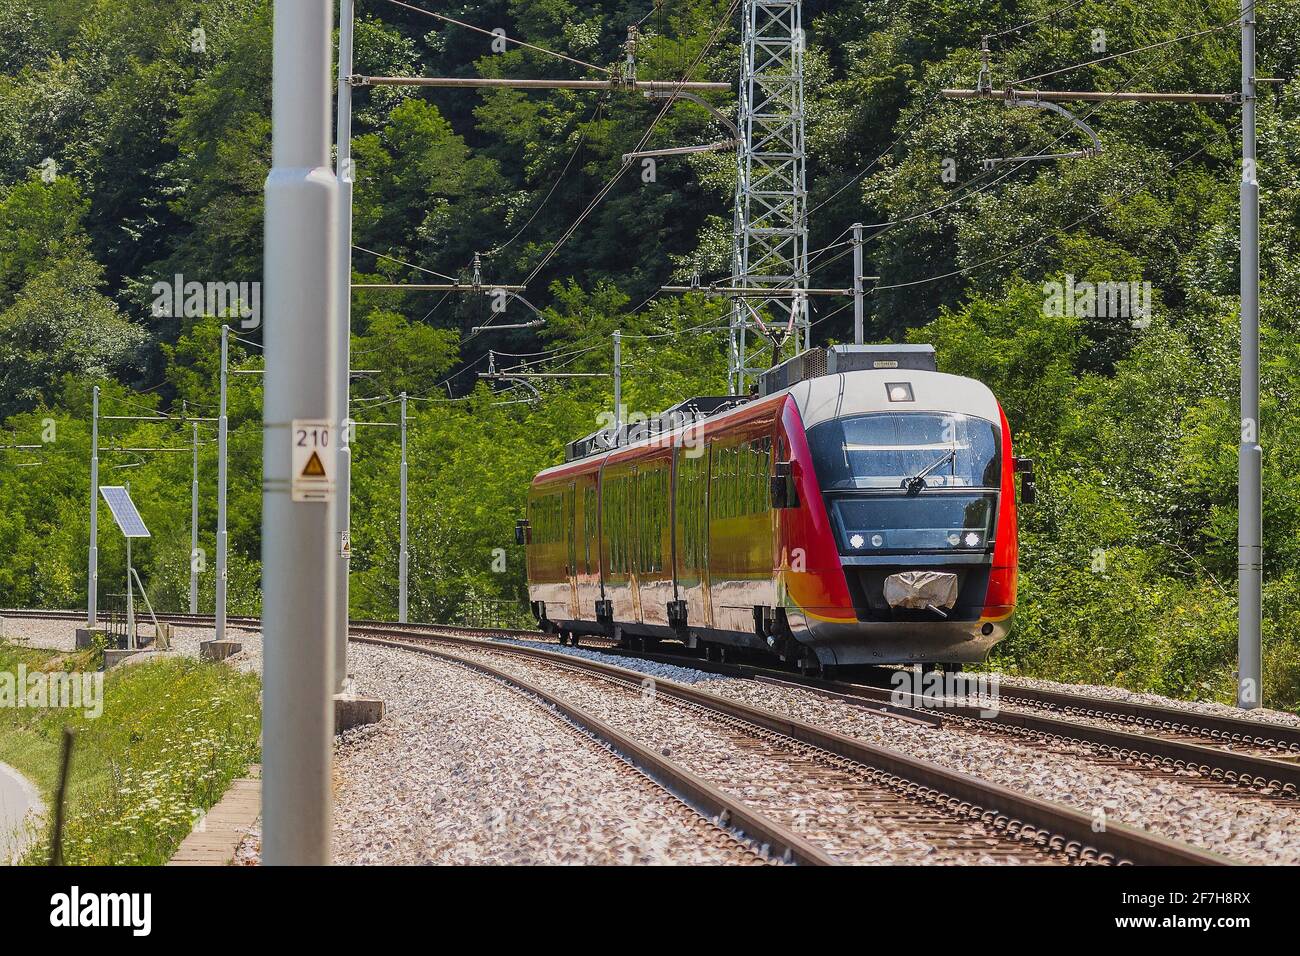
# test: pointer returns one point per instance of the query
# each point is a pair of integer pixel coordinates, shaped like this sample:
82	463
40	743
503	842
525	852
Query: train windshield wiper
916	483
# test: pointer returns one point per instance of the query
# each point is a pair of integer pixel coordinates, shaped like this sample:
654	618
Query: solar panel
124	511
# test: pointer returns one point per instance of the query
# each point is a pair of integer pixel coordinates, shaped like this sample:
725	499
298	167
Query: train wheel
561	637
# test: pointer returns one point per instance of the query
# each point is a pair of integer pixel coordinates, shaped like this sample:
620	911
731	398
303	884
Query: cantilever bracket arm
682	150
721	118
1015	98
1033	102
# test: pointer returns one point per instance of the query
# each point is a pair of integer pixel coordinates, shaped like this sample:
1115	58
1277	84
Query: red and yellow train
861	510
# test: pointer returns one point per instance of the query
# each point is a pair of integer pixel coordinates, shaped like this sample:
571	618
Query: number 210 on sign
313	460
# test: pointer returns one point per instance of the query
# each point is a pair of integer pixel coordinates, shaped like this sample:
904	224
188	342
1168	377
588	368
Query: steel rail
1056	826
1214	763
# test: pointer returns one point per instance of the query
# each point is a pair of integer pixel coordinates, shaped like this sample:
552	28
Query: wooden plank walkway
214	841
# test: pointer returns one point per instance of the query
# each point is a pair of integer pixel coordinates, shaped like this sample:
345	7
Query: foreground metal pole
301	342
194	527
343	503
221	488
1250	521
857	284
403	560
92	575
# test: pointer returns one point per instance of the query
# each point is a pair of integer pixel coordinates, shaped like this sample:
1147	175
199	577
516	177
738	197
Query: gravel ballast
852	819
462	769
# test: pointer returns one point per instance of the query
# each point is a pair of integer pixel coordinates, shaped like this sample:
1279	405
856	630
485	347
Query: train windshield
909	481
934	522
885	450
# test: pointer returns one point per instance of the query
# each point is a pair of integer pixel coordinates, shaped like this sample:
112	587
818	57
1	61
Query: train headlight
972	540
857	541
954	539
877	540
899	391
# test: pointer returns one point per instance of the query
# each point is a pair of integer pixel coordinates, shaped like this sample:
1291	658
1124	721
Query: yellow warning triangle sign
314	468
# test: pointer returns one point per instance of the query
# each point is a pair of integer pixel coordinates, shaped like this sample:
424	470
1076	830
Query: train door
636	508
690	520
674	475
704	496
589	547
571	536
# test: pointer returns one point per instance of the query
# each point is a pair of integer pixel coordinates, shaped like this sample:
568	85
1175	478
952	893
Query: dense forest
135	139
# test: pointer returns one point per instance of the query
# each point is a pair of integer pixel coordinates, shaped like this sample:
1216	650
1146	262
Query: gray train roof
860	392
843	394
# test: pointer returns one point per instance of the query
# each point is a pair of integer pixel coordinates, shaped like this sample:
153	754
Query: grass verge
172	735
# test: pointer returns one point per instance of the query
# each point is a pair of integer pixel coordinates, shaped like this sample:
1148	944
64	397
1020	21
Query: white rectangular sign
313	459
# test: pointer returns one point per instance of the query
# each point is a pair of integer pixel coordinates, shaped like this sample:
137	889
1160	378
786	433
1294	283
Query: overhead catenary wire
645	138
582	139
1056	230
501	35
410	265
971	193
1115	56
1036	20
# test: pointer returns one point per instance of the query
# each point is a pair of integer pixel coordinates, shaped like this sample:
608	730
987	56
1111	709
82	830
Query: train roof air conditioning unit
834	359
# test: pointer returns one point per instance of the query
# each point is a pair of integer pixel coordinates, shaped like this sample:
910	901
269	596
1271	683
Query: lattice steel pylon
770	249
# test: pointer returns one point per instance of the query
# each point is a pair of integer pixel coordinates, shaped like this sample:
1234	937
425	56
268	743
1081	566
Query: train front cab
898	472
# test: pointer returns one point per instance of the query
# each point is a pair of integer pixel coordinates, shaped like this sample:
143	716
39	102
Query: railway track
951	811
1233	754
1237	754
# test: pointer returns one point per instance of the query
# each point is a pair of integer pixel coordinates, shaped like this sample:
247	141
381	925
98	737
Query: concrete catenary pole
403	558
220	624
343	502
1250	492
92	571
301	345
194	526
857	284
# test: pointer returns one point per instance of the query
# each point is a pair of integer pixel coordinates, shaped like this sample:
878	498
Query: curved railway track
1259	758
952	811
1236	754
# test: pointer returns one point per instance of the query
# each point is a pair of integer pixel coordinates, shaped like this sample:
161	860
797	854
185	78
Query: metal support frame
618	384
770	241
472	82
1015	99
720	117
131	641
